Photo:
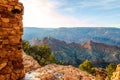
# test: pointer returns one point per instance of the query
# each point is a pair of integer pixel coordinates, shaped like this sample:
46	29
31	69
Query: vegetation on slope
41	53
87	66
110	69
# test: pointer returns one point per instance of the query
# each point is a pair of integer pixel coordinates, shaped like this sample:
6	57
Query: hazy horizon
68	27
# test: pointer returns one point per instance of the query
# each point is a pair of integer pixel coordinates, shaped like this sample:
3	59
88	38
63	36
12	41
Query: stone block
6	20
2	65
5	42
2	77
14	39
3	2
0	46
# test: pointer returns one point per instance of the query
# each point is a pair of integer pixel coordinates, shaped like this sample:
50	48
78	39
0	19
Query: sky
71	13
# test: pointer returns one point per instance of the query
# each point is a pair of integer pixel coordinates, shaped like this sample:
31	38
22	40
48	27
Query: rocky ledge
116	74
53	71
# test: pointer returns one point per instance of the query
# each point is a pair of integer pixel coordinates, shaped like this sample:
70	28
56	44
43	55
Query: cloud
43	13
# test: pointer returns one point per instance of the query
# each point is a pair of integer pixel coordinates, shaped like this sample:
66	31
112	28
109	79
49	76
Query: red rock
2	65
2	77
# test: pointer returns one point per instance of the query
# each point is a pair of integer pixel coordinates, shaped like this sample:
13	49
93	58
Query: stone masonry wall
11	31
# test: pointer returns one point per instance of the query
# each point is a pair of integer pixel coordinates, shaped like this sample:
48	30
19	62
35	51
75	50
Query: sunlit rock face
11	31
58	72
116	74
29	63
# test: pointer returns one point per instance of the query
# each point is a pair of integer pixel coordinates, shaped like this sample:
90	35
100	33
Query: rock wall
29	63
116	74
11	30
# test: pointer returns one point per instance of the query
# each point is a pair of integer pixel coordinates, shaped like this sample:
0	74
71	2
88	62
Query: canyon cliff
74	53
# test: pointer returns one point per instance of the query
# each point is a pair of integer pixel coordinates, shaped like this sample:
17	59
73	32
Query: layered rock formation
116	74
11	30
58	72
29	63
52	72
74	53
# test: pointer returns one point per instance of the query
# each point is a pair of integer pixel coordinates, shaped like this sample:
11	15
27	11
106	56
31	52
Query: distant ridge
110	36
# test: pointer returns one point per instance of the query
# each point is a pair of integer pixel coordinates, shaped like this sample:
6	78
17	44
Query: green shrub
41	53
110	69
87	66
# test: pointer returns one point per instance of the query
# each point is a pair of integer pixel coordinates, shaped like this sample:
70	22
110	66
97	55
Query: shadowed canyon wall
11	31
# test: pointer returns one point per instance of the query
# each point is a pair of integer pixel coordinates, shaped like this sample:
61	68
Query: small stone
10	8
3	2
2	77
2	65
6	20
14	76
18	7
14	39
22	75
0	46
7	76
5	42
6	70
